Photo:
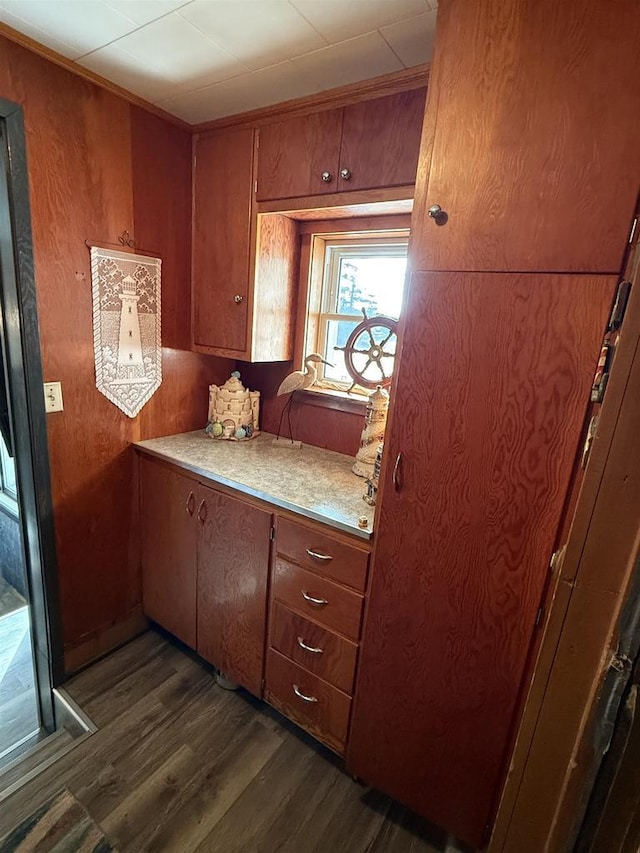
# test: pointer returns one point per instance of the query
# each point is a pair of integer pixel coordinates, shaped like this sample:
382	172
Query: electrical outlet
53	397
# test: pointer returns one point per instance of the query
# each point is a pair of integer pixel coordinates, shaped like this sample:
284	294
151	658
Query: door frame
24	372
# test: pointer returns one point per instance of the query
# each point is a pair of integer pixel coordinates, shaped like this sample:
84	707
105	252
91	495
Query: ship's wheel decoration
370	351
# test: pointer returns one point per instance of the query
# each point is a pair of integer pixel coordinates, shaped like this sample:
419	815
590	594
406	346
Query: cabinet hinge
591	432
554	559
272	533
539	616
255	186
634	230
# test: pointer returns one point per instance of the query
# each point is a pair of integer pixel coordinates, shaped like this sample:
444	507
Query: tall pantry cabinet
527	186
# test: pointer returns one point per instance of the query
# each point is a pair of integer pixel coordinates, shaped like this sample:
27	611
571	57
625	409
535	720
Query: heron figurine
298	381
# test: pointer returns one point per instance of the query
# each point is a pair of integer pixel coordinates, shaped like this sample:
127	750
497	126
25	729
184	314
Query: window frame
8	494
322	255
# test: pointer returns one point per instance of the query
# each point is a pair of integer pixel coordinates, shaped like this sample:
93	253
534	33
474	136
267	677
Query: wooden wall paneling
294	152
233	564
381	141
168	536
223	182
521	173
487	467
161	164
344	204
275	288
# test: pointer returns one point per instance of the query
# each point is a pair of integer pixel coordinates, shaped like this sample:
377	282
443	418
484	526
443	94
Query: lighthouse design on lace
130	362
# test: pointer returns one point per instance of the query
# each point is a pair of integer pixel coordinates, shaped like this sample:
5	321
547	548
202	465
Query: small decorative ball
248	430
236	374
241	432
209	428
217	429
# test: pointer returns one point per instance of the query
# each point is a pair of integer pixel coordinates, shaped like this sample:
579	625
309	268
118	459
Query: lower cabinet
317	599
205	566
205	563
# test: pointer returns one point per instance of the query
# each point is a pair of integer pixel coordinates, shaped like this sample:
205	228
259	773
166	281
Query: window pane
373	354
337	333
374	284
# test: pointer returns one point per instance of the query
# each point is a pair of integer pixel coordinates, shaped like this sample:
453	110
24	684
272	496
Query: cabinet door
532	122
168	537
486	419
293	155
233	565
222	235
381	141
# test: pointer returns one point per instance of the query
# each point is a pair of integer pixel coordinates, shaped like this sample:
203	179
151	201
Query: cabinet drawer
317	649
318	707
321	553
327	603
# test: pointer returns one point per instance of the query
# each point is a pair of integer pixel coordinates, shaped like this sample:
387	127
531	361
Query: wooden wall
311	424
98	166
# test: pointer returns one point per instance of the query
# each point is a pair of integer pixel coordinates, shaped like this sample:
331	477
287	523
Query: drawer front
321	553
317	649
318	707
325	602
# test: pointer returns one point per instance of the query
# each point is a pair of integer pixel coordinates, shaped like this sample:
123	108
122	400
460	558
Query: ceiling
204	59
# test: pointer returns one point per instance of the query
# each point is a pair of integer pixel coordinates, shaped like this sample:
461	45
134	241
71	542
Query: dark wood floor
179	764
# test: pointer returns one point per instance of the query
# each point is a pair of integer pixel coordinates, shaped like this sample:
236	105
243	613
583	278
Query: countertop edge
211	476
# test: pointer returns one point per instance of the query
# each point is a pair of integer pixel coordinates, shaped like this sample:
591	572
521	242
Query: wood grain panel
295	152
537	112
222	234
381	141
233	564
274	289
326	718
168	535
342	610
336	660
495	374
346	563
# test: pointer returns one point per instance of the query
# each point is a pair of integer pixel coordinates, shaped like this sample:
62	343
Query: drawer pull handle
314	649
396	476
318	556
317	602
301	695
202	512
191	503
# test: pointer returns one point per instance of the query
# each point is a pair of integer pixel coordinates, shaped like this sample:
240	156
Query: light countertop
311	482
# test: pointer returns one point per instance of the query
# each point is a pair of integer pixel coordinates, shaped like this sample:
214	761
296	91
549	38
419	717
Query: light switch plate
53	397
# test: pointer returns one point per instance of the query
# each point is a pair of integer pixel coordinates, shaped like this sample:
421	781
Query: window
359	273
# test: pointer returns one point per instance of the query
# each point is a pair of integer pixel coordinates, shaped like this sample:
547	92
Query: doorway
31	660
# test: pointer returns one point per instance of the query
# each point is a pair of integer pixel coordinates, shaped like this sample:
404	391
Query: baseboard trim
104	642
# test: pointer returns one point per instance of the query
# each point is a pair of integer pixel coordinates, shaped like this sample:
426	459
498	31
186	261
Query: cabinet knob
345	174
438	215
327	177
238	298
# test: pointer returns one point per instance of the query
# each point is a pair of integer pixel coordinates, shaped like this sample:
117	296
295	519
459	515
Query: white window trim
336	249
8	497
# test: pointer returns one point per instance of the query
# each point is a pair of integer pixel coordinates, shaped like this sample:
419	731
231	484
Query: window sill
337	400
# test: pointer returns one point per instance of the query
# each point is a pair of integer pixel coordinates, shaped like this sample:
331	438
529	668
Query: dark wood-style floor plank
179	765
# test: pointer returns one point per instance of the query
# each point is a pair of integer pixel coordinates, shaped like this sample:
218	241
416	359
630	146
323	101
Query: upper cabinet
244	264
366	145
529	153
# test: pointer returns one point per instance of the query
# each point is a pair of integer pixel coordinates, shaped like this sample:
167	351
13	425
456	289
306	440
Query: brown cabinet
233	567
530	137
168	542
473	491
244	264
314	628
365	145
205	565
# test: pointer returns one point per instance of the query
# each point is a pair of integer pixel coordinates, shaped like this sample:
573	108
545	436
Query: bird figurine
298	381
301	379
